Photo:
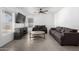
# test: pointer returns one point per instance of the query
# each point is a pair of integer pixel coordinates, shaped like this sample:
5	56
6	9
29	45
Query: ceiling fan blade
41	10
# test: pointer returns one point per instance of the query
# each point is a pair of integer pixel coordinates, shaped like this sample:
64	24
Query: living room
51	28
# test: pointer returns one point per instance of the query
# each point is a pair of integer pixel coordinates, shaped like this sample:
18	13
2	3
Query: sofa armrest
53	29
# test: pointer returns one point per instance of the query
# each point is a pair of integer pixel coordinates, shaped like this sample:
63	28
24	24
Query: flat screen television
20	18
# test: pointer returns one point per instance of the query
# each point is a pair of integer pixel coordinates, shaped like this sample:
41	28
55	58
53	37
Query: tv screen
20	18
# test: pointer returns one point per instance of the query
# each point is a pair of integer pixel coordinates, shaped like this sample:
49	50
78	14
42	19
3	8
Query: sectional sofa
65	36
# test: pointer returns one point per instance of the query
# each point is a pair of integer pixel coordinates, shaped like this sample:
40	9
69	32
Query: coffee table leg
30	36
44	36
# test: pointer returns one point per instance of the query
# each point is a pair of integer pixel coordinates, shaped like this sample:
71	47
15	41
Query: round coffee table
36	34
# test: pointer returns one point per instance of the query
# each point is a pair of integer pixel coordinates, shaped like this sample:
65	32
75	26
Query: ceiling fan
42	10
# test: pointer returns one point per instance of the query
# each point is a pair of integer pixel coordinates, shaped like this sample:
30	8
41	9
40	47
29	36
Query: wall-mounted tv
20	18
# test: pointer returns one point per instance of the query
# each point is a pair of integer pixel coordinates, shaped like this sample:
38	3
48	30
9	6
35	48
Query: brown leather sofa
65	36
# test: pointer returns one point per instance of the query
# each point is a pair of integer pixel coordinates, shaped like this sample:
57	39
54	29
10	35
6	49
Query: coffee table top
37	32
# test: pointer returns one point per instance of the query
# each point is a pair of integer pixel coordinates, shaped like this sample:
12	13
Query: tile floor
27	44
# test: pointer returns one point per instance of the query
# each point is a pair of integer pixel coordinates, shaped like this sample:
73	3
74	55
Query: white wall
44	19
7	36
68	17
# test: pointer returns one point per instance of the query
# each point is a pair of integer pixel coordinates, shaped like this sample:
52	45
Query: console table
20	32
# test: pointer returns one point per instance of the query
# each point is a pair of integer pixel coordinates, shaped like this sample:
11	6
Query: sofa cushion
68	30
58	29
74	30
65	30
58	35
53	28
52	31
62	30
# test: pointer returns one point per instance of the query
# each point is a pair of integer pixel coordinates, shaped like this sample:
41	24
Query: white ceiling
55	9
52	10
33	10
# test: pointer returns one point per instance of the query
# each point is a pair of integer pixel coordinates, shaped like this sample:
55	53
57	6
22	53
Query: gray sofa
65	36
